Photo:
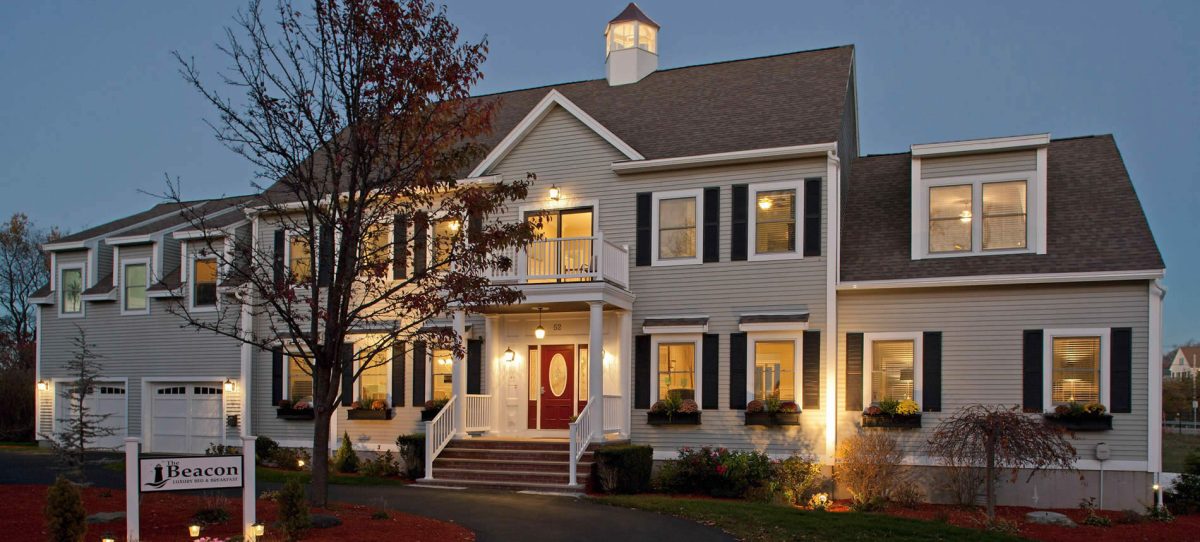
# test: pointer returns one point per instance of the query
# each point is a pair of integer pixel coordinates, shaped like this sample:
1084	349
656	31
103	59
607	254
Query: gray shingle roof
157	211
672	322
1095	221
774	318
179	217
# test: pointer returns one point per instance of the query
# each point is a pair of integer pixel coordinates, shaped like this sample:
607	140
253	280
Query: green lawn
1175	449
277	476
755	522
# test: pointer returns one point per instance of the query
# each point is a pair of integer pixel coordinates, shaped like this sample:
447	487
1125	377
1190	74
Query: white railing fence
479	412
580	437
438	433
567	259
615	262
613	413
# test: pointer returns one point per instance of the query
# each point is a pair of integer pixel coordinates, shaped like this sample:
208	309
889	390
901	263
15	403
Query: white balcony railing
613	413
568	259
479	412
438	433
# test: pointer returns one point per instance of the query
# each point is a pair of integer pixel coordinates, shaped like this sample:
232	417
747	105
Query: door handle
543	390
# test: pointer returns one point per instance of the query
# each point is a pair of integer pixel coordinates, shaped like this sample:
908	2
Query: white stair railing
438	433
580	436
479	412
612	413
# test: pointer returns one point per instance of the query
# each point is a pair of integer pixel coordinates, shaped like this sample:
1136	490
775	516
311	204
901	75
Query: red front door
558	386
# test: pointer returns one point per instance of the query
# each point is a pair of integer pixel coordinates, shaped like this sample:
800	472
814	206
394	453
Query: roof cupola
630	46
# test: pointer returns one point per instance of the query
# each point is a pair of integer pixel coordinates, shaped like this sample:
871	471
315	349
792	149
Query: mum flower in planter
1075	416
892	413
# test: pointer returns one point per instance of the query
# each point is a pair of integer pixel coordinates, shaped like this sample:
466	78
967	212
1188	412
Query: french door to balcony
565	247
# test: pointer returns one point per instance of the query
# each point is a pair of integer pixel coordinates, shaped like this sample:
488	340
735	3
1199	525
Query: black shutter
854	372
400	247
420	243
811	377
641	371
1031	373
812	217
712	224
643	228
737	371
277	372
398	374
419	360
325	256
1121	371
712	371
474	226
278	261
347	374
474	366
740	232
931	371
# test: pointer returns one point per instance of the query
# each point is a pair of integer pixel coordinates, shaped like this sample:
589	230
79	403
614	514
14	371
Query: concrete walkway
492	515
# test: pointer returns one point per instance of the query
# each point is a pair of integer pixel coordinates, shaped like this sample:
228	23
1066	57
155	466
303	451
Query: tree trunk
320	458
990	450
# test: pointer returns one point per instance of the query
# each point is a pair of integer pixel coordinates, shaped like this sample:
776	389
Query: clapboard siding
979	164
562	151
982	341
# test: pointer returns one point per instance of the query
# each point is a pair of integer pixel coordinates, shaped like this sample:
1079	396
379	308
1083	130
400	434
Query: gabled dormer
979	197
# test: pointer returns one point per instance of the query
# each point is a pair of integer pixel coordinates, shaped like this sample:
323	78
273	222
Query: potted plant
432	408
904	414
772	412
375	410
674	410
300	410
1076	416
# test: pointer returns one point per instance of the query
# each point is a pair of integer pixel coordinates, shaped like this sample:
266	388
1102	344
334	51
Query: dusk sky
93	111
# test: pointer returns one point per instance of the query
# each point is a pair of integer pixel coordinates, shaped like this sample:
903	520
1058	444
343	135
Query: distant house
1185	362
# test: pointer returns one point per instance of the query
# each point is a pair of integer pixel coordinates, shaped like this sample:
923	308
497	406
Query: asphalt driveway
493	515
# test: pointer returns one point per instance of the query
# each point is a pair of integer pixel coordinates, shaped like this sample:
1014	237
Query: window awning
774	321
675	324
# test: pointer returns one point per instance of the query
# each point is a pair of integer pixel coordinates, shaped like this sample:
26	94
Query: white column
249	492
596	367
492	356
626	370
132	491
458	386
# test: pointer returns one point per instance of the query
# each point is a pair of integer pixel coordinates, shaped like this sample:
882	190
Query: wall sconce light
509	355
259	529
539	331
554	192
108	537
194	530
230	386
43	385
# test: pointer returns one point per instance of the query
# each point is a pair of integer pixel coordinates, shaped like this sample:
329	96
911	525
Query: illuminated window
300	259
775	221
71	284
444	234
648	38
1076	371
373	382
677	369
443	375
677	228
204	282
892	370
950	218
377	250
620	36
775	369
300	381
1004	215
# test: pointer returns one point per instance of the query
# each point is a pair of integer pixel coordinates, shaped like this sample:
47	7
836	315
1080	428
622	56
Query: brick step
494	444
510	455
472	475
503	486
509	465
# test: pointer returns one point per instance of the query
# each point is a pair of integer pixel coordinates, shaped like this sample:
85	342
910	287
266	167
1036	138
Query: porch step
560	478
510	465
507	455
503	486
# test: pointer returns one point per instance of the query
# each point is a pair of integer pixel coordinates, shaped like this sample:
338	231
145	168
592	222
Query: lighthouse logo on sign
184	473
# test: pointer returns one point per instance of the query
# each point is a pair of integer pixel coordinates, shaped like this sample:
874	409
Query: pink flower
721	470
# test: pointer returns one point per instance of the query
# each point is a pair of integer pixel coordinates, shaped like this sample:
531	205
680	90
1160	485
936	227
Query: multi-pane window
677	369
1004	215
300	259
444	233
892	370
1076	371
621	36
774	370
134	283
442	374
648	38
71	284
775	221
373	382
300	381
950	218
204	282
376	249
677	228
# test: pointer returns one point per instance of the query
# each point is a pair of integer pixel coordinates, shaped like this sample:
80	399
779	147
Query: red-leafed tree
359	114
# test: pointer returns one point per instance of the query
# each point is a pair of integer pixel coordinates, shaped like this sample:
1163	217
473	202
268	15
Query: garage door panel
106	399
187	417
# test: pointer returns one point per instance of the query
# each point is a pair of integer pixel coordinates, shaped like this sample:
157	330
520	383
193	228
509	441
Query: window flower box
368	414
771	419
1080	417
290	413
678	418
895	421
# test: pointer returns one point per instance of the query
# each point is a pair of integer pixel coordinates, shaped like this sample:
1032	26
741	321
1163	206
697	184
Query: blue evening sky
92	109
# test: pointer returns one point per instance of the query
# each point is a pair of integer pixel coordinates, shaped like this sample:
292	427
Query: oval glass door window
558	375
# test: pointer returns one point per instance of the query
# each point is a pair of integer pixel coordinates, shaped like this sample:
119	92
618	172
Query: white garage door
106	399
185	417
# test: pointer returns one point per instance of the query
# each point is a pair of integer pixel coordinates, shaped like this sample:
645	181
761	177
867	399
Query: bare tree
1000	438
81	427
359	113
23	269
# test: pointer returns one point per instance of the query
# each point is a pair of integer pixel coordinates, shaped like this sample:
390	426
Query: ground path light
194	531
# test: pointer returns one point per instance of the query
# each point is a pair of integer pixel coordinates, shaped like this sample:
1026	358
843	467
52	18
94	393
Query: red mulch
166	517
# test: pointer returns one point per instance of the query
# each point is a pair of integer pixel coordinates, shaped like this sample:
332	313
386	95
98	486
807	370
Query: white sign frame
190	473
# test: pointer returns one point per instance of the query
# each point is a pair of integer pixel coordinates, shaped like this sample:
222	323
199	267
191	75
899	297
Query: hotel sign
190	472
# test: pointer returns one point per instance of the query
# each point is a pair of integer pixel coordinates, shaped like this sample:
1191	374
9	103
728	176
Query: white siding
979	164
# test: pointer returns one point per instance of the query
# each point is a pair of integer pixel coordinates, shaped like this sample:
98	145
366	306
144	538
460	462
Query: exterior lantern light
259	529
194	530
554	193
229	385
43	385
108	537
1156	487
539	331
509	355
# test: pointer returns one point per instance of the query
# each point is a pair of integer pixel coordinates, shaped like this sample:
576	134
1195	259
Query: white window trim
1048	335
61	290
429	366
797	362
1035	211
697	364
287	375
869	359
121	286
798	207
358	381
390	224
698	195
191	284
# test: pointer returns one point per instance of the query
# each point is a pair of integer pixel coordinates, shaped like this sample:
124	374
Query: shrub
345	460
289	458
382	466
66	519
293	510
210	516
624	469
868	465
221	449
796	478
819	502
412	452
720	473
755	406
961	483
379	514
1184	495
264	448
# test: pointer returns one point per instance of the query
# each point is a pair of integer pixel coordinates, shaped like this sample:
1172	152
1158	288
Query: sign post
133	496
249	519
